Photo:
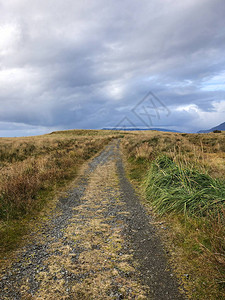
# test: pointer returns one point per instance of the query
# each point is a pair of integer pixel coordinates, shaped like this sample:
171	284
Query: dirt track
97	244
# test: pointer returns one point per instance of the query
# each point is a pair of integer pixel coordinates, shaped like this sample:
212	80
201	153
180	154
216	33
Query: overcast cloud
86	64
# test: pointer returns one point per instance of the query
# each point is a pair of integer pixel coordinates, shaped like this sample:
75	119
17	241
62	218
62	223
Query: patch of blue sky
214	83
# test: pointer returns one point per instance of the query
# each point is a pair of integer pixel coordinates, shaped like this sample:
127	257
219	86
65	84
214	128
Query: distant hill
219	127
134	128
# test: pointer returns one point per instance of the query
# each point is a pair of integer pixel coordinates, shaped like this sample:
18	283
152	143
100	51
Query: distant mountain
134	128
219	127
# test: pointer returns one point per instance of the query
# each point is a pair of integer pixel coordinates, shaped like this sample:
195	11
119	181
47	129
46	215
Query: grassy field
181	177
33	169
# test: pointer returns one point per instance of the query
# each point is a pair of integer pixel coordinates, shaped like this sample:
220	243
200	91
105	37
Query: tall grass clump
173	187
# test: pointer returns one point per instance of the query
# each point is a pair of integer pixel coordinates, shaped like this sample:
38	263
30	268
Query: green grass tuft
176	188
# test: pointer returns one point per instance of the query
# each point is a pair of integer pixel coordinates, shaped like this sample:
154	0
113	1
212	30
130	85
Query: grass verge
178	181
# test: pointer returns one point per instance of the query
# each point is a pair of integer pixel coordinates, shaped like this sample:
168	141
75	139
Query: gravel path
97	244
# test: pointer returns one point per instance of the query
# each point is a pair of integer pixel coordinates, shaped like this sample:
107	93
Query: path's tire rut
148	250
97	244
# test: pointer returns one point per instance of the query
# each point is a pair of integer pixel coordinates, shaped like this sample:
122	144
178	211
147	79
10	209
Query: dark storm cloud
70	64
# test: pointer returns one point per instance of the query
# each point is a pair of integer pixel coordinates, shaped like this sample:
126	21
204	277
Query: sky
103	64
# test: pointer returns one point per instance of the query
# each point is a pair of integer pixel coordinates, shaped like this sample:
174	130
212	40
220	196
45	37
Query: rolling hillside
219	127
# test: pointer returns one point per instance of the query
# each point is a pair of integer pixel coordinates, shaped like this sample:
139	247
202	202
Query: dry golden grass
197	244
29	165
202	150
33	167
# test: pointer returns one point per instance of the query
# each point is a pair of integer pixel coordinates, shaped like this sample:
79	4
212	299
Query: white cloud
10	36
199	119
188	108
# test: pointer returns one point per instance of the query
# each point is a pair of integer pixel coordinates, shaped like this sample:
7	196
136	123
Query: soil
98	243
